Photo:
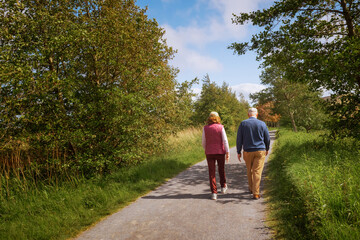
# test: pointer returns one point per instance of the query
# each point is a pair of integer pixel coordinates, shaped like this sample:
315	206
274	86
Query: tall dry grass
23	167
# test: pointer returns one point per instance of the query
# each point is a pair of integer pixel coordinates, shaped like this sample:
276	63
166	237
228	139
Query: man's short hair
252	111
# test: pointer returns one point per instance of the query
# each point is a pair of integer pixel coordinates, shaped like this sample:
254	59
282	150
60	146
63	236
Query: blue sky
201	31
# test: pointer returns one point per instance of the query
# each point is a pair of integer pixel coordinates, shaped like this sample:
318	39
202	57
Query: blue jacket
252	136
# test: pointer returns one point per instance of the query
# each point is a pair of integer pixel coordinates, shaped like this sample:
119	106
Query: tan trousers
254	165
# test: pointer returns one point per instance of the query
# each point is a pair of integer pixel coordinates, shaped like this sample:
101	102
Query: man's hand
266	153
227	157
239	157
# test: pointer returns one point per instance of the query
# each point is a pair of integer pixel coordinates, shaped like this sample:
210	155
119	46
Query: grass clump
314	187
61	210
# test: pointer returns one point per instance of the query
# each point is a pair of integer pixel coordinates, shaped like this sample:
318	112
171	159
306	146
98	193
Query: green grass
62	211
314	187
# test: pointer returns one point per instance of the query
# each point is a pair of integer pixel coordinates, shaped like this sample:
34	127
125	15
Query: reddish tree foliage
266	114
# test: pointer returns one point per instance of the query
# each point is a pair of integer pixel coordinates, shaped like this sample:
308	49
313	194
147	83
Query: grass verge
62	211
313	187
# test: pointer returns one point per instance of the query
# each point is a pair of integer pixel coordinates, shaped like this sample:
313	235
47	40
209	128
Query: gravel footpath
181	209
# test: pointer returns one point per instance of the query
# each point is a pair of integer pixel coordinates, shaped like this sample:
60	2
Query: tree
83	84
222	100
313	41
294	101
267	114
185	103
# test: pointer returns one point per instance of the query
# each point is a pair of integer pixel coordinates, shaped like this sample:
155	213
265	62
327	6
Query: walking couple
252	137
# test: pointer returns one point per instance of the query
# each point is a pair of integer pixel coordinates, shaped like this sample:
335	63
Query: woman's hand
227	157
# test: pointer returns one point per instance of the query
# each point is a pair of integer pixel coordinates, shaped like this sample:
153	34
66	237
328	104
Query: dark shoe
256	196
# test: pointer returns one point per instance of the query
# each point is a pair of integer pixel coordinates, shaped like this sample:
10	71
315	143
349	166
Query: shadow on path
181	209
198	175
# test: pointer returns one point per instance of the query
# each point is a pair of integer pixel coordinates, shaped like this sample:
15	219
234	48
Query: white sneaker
224	189
214	196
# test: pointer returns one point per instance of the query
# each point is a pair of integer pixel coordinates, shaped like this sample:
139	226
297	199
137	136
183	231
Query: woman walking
216	145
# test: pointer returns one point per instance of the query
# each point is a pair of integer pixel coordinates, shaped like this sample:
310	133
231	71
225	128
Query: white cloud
247	88
188	59
187	56
196	91
227	8
201	62
192	40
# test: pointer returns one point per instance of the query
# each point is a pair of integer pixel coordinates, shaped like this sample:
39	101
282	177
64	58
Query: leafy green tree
126	58
35	51
222	100
316	42
295	102
83	85
185	103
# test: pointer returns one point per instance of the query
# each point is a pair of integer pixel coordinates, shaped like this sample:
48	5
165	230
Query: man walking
253	137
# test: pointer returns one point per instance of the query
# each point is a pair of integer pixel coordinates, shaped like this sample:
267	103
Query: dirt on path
181	209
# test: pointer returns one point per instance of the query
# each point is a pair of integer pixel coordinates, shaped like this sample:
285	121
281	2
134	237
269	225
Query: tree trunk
293	121
347	16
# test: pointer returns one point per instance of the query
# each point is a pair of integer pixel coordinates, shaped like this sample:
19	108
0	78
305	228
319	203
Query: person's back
254	139
216	146
254	135
213	135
